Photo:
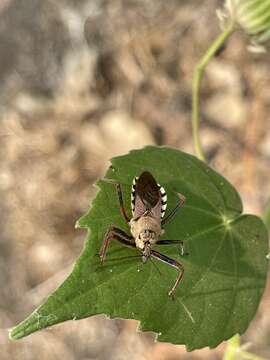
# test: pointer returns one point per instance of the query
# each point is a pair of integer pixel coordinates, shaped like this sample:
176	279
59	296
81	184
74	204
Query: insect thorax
146	229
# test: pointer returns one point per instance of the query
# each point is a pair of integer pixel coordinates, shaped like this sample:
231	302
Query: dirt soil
83	81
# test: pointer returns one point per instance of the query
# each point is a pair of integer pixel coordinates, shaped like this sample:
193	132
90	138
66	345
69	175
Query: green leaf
225	272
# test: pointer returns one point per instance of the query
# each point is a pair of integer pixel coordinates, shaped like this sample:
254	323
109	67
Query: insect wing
146	196
147	189
163	200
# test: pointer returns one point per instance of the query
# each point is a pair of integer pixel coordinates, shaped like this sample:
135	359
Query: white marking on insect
164	197
162	191
164	200
133	190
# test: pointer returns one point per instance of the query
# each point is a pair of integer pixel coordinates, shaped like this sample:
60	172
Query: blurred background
82	81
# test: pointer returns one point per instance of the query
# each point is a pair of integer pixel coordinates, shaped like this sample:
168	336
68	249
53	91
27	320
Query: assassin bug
148	204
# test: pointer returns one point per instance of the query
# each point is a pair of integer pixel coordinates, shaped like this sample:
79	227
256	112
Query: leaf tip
82	222
77	224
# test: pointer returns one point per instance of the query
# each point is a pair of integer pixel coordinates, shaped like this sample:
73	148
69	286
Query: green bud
253	16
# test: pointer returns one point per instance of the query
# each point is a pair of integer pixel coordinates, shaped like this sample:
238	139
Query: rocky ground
82	81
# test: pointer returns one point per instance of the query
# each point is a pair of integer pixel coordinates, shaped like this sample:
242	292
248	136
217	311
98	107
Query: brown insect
148	203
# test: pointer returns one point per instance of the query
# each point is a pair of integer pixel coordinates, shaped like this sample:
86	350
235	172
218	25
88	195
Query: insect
148	204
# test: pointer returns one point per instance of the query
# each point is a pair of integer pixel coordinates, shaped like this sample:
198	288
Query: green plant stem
234	351
266	215
231	349
266	219
197	77
249	356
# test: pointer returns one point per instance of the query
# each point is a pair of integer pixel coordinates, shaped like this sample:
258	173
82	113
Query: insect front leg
173	263
172	242
120	198
171	215
114	233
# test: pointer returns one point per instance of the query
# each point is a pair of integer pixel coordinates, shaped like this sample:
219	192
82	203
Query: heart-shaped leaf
225	271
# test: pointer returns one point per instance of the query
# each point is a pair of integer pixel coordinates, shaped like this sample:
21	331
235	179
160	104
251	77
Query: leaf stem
266	215
234	350
266	219
231	349
197	77
249	356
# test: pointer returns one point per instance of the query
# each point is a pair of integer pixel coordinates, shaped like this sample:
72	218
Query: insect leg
170	216
171	242
173	263
114	233
120	197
